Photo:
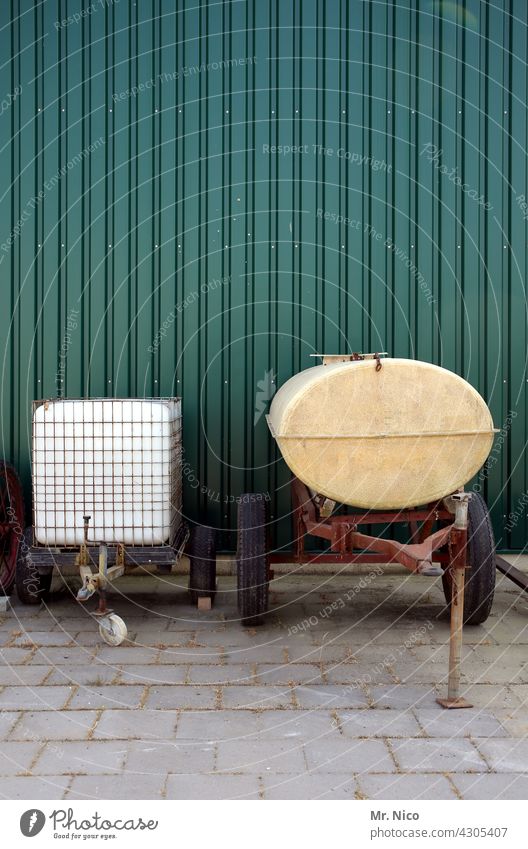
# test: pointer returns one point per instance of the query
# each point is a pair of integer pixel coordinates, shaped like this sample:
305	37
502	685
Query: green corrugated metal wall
179	255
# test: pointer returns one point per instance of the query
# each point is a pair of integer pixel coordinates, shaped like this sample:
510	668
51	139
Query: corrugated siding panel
179	256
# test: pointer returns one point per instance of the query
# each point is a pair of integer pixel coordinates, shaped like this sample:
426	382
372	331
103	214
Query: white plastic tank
117	461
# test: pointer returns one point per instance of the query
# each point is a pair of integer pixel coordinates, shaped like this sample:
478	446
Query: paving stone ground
338	705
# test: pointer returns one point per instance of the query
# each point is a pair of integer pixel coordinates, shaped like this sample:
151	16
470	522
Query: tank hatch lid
355	356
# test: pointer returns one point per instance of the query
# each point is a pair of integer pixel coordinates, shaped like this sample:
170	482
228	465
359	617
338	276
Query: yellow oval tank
402	436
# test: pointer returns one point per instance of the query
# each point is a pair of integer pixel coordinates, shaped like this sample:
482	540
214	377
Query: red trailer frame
312	515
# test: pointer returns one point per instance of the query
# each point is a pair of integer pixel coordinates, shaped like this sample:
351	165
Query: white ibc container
115	460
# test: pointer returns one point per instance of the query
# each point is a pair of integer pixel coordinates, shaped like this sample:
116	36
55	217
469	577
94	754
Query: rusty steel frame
510	571
46	558
416	556
341	531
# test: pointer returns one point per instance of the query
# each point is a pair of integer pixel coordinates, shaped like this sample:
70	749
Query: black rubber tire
252	559
202	563
480	576
32	586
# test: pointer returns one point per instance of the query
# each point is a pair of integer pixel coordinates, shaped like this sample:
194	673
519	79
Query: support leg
454	699
457	569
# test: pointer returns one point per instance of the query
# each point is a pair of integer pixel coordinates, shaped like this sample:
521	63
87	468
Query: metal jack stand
457	567
111	627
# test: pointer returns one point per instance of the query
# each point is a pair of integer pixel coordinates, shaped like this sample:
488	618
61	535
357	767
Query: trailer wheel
32	586
252	559
11	524
113	629
202	559
480	576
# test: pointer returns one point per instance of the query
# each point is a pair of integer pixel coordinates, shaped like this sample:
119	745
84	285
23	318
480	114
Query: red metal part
11	524
312	557
102	607
417	555
348	545
455	702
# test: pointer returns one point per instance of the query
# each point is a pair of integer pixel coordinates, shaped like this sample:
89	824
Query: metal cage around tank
107	499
